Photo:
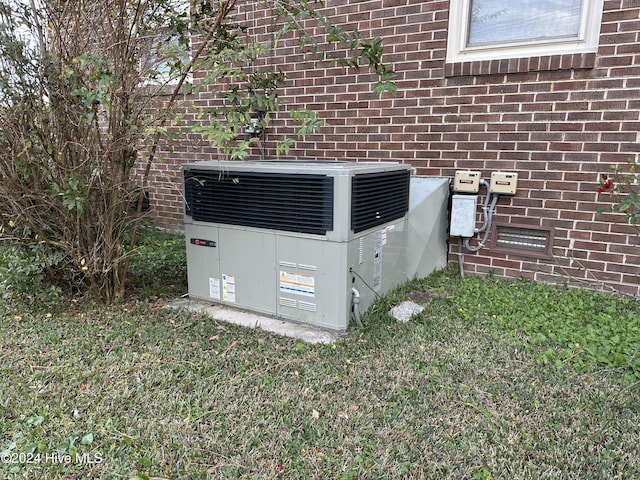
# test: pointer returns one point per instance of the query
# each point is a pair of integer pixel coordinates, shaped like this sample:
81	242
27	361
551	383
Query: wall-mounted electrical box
504	183
463	215
253	127
466	182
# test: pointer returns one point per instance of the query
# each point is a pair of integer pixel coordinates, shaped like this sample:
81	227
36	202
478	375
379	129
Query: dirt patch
422	297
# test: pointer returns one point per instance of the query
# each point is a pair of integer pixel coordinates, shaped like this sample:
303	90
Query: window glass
167	43
508	21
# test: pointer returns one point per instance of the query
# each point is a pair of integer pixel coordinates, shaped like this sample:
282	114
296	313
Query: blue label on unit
203	243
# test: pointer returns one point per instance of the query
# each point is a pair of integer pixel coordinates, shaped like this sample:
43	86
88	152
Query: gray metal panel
341	210
247	269
428	220
299	166
239	271
377	260
203	262
312	282
321	270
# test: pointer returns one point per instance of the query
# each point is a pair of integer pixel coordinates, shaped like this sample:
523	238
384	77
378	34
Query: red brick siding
558	121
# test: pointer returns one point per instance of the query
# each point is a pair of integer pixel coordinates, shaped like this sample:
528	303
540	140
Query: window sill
572	61
165	89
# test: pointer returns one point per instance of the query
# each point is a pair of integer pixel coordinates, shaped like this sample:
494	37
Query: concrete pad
251	320
405	311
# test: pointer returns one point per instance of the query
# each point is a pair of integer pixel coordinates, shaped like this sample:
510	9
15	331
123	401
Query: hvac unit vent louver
292	238
369	208
293	203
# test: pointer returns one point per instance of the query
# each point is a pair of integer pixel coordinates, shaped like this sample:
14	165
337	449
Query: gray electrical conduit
487	217
460	257
485	207
355	303
486	228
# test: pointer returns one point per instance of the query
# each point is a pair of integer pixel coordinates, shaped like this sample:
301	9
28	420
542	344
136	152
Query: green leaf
382	87
284	146
87	439
8	448
38	420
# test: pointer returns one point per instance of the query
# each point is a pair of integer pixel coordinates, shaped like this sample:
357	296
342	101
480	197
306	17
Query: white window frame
457	50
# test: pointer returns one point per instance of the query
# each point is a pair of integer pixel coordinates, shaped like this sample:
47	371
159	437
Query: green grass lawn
509	380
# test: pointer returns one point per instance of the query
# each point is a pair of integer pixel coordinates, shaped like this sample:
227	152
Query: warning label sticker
379	239
291	282
214	288
228	288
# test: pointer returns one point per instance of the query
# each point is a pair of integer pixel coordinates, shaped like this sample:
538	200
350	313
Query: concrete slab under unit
277	326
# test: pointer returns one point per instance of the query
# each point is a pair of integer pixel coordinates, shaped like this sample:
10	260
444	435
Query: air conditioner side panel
247	269
203	261
377	260
312	282
233	266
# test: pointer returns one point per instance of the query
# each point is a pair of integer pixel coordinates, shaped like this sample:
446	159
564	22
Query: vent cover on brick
523	240
290	202
377	198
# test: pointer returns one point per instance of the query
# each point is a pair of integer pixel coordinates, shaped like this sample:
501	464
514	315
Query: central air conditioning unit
290	239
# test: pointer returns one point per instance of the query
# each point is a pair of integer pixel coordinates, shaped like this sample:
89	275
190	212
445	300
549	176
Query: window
167	43
501	29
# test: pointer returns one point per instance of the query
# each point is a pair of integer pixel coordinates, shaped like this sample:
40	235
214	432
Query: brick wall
557	121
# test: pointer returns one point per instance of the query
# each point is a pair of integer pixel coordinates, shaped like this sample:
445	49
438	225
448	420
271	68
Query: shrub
624	186
25	272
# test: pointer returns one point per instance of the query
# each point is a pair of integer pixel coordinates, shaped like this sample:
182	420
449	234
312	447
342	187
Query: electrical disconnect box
466	182
504	183
463	215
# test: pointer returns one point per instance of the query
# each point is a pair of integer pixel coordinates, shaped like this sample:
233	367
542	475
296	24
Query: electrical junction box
504	183
466	182
463	215
290	239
